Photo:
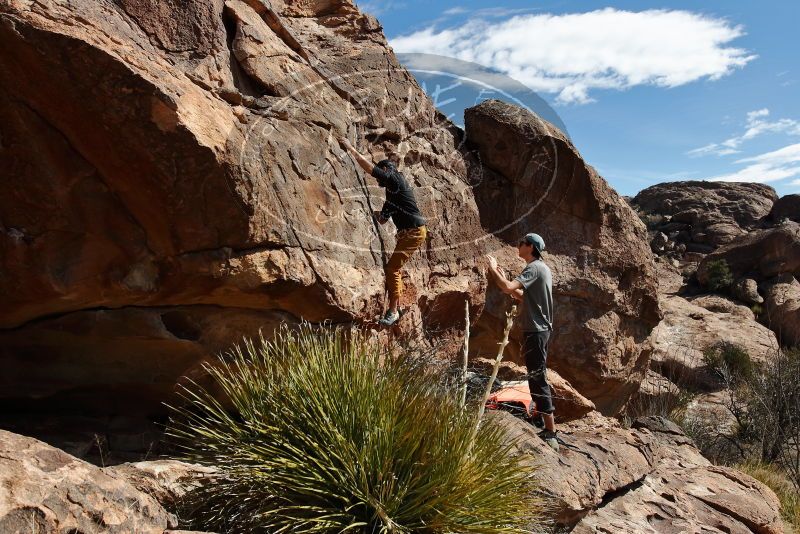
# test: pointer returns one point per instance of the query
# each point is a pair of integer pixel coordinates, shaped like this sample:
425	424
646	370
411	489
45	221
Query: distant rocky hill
704	215
699	224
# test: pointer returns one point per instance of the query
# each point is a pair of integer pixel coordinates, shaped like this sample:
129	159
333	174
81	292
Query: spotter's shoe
537	420
390	318
551	438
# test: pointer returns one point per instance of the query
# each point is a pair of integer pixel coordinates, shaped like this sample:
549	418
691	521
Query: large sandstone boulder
172	181
43	489
746	290
760	255
782	309
648	478
533	179
704	215
694	324
786	207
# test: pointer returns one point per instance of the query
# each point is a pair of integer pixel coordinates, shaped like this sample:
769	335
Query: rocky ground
173	182
647	478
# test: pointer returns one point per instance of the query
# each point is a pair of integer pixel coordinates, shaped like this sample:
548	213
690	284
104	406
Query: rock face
649	478
167	481
694	324
43	489
173	182
762	254
704	215
782	309
746	290
533	179
786	207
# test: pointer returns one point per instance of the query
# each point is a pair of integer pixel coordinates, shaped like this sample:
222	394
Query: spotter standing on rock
401	207
534	287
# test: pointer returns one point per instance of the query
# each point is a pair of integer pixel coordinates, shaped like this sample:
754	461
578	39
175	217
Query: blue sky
650	92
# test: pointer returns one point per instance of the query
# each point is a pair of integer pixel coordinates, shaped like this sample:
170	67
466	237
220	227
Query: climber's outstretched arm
365	164
510	287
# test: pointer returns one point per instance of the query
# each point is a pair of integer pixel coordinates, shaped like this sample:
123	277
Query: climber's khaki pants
407	242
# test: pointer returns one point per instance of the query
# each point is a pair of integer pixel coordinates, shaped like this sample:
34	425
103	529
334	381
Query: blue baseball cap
535	240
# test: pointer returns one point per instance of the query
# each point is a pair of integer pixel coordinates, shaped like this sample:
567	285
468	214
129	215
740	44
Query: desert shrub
713	437
776	480
771	402
765	405
664	403
326	431
728	360
757	310
720	276
667	394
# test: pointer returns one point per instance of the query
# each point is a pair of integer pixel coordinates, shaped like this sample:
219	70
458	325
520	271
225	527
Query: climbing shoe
551	438
389	318
537	420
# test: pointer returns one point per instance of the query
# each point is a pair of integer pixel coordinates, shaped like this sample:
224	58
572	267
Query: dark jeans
534	348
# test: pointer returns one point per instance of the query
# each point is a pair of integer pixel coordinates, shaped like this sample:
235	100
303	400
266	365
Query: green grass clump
774	479
729	359
720	276
326	431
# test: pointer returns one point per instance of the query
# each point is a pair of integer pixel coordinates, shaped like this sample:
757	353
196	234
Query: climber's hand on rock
492	262
379	217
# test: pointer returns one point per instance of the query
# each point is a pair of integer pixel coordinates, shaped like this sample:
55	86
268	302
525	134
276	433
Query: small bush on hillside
715	439
772	413
720	276
328	432
728	360
668	397
765	405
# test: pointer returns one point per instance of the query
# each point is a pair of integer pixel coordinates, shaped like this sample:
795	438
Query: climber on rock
534	288
401	207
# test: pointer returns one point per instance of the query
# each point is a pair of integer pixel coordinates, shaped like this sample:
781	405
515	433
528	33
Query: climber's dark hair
387	164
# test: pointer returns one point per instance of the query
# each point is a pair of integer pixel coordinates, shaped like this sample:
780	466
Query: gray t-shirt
537	297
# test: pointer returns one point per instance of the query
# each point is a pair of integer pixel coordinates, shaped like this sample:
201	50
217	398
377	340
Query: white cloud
378	7
757	124
753	115
768	167
454	11
492	12
572	55
782	156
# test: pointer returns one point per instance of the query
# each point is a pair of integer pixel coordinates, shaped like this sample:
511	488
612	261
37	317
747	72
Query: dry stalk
466	355
502	347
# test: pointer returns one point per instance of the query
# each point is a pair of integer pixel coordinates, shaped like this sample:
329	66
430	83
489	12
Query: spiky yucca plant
325	431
